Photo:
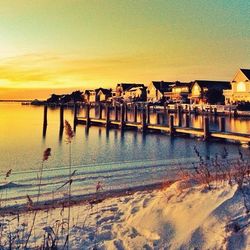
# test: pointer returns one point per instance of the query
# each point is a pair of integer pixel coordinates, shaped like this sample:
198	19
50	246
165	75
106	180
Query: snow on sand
173	218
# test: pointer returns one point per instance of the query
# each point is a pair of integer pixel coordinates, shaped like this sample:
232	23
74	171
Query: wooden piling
171	124
87	114
206	127
135	112
143	120
179	116
75	114
215	112
122	116
166	113
195	111
45	116
100	111
45	123
222	125
61	116
116	112
235	114
165	107
148	114
125	112
107	115
157	118
187	120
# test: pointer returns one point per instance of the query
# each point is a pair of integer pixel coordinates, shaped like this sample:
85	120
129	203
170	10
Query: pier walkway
121	122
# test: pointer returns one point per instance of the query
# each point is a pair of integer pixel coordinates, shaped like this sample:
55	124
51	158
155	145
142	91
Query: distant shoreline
16	100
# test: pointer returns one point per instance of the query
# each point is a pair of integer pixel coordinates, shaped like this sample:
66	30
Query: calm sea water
117	159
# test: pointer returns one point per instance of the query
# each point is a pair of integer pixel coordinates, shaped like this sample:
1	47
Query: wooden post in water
179	116
61	116
235	114
158	118
45	116
143	120
107	115
165	112
75	114
206	127
45	121
171	124
215	112
87	114
135	113
148	114
165	107
189	109
187	120
195	111
100	110
125	112
122	116
222	124
116	112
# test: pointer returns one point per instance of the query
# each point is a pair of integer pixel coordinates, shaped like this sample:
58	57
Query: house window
241	87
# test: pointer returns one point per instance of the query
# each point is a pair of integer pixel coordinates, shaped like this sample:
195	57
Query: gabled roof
162	86
104	91
213	84
246	72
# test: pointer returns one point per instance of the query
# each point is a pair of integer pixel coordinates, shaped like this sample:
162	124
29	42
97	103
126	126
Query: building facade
157	89
180	92
204	91
240	88
103	95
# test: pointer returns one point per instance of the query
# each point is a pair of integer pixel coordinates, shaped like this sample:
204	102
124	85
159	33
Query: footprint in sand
119	244
146	202
134	210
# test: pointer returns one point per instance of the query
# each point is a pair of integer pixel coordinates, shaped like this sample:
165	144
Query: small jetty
119	120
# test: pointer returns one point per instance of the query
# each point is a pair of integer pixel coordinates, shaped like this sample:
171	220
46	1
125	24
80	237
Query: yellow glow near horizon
64	44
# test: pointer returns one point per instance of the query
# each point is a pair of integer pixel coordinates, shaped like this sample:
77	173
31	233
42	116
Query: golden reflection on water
239	125
22	141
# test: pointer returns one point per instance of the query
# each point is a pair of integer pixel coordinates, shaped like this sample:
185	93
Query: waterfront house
180	92
103	95
240	88
157	89
89	96
204	91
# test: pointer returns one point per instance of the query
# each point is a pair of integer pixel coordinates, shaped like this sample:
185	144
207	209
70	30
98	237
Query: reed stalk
69	137
46	155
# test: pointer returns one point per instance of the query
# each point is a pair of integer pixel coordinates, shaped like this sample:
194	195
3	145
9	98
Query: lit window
241	87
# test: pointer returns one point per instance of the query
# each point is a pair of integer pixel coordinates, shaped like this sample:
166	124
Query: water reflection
95	144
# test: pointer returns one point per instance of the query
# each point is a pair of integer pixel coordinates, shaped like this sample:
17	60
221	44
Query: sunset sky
61	45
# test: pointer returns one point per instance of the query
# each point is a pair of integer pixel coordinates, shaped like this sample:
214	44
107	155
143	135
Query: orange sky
63	45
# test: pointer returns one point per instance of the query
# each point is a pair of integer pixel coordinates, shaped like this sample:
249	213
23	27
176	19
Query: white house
240	87
157	89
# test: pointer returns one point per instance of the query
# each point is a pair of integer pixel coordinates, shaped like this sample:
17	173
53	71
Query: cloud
57	70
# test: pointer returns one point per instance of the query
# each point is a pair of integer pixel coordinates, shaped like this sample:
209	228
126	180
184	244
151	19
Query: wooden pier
121	122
